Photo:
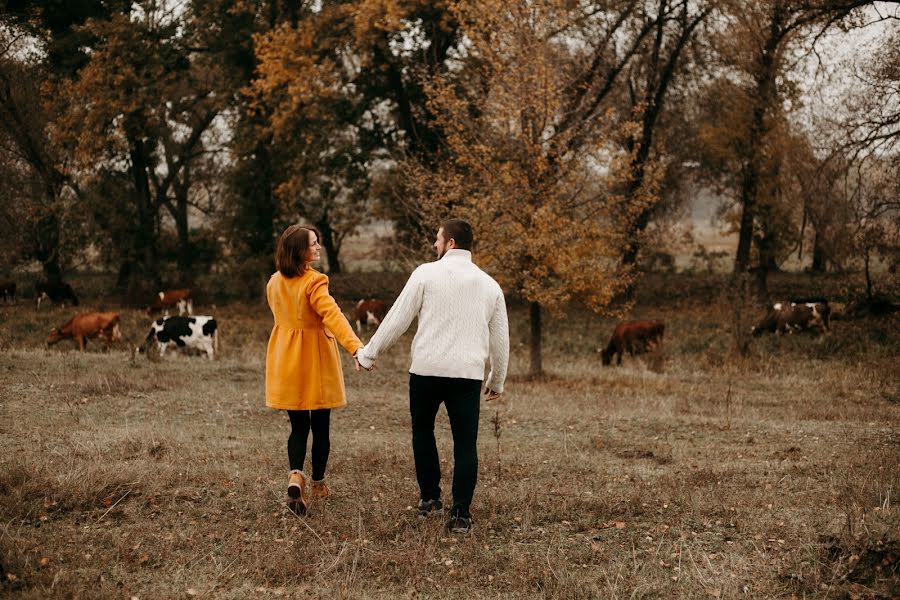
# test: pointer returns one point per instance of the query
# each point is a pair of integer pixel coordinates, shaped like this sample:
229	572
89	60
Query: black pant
462	397
301	422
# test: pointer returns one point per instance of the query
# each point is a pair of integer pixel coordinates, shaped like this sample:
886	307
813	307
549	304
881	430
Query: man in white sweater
462	327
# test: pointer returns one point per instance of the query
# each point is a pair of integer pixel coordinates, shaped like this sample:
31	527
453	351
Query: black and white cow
184	332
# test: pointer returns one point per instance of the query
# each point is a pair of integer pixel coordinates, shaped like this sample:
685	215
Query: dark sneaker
459	524
426	507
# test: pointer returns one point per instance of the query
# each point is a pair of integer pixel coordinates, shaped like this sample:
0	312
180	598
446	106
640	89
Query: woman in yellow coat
303	365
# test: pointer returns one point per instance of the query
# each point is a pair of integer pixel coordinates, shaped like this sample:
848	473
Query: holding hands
359	366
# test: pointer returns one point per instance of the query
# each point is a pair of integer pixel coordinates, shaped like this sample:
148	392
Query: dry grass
688	474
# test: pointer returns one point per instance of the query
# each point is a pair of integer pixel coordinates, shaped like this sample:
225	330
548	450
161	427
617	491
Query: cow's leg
208	347
80	342
190	306
161	346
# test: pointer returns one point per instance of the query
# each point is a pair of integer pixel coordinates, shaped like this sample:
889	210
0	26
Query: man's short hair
460	231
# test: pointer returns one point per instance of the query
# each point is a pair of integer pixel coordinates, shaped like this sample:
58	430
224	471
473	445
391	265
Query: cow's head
150	345
606	356
55	336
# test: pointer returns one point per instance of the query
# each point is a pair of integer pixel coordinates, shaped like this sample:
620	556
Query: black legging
321	445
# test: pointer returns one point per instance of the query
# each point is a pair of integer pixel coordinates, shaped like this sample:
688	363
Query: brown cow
634	337
86	325
370	312
171	298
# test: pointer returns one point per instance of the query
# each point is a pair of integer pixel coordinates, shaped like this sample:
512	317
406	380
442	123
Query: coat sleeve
334	319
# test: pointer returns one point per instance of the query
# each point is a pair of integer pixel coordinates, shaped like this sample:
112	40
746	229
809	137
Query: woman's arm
334	319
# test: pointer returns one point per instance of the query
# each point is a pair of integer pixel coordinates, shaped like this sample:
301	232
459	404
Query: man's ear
451	243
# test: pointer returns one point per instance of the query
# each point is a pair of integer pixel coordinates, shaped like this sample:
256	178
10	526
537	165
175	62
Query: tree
862	173
303	85
39	208
153	96
530	157
650	78
746	128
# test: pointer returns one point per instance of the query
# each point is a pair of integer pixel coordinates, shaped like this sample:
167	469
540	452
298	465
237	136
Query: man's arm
498	329
396	322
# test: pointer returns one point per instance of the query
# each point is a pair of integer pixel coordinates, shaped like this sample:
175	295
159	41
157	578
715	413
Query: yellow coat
303	364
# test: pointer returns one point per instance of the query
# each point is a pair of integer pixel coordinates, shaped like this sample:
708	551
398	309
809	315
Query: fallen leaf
45	562
107	502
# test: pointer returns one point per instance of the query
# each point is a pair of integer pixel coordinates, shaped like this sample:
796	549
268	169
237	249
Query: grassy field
688	474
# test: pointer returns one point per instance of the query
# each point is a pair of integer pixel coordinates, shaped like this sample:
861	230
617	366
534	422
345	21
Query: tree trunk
867	256
752	168
819	263
184	259
761	277
123	276
261	211
46	246
535	368
329	243
145	240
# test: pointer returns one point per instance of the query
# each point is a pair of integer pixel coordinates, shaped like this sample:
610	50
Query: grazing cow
165	300
56	291
370	312
184	332
87	325
794	317
8	290
634	337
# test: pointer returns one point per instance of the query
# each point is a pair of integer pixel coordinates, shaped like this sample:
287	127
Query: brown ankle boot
320	489
298	492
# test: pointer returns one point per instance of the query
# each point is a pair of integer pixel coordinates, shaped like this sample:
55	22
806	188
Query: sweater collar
457	254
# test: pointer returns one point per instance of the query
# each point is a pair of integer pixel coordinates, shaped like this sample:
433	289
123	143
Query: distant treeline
164	140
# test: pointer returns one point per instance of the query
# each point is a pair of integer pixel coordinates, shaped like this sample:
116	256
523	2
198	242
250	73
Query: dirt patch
874	564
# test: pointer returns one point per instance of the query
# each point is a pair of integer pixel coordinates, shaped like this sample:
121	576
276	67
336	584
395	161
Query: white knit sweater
462	322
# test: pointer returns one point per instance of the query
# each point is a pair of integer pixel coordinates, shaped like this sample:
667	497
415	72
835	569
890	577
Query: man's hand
490	394
359	367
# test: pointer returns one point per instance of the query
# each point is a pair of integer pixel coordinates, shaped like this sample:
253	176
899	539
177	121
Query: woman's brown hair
292	248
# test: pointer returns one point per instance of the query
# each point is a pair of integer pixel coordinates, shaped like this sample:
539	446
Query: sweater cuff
489	384
364	361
